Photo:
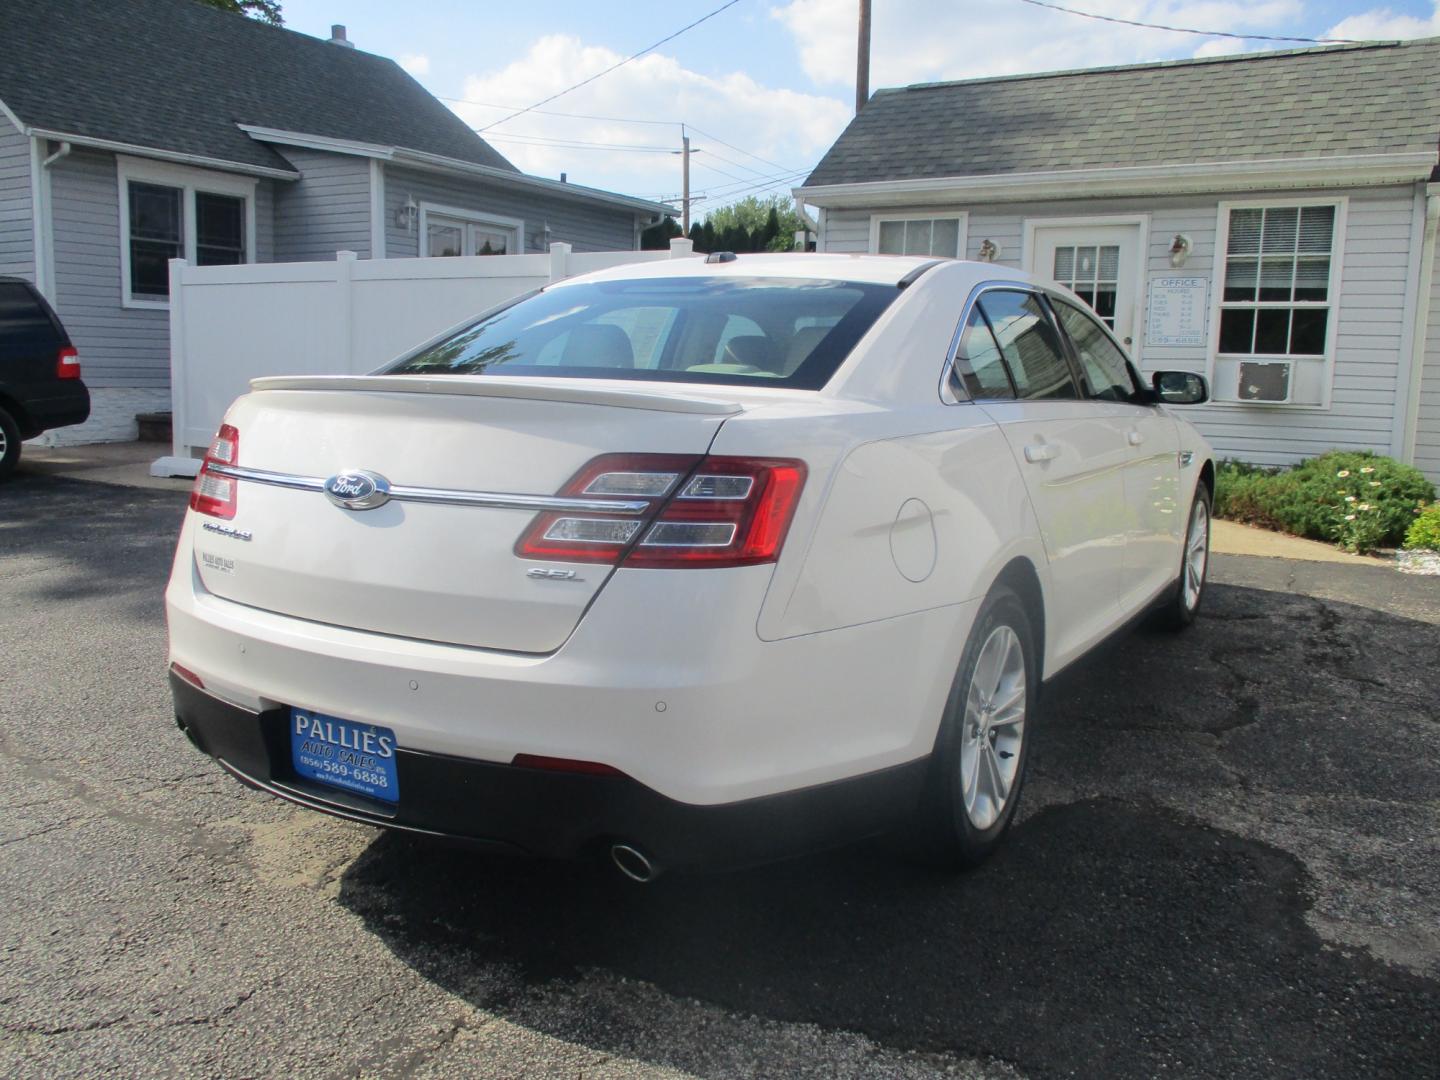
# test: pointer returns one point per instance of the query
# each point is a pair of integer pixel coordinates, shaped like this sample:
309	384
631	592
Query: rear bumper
65	403
551	814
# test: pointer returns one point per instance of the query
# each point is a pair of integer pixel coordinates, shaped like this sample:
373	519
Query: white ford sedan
689	563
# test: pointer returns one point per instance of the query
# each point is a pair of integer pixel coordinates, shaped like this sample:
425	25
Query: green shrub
1424	531
1357	499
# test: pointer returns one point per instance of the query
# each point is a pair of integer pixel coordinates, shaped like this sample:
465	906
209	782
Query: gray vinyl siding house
1268	219
312	146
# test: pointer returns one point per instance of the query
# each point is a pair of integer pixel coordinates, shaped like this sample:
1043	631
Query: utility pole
685	182
862	58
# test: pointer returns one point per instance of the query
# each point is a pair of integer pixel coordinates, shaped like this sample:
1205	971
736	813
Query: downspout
811	225
1422	321
44	254
63	152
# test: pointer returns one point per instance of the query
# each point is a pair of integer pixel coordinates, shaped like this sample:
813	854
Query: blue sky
767	83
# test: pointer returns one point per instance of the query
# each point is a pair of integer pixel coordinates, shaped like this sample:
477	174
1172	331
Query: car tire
9	444
978	766
1183	602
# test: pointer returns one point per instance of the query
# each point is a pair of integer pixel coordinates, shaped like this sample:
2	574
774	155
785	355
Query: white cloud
785	127
416	64
1383	24
930	40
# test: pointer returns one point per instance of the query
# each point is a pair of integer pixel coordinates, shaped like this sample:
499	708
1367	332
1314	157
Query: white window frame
1223	398
470	217
918	214
189	181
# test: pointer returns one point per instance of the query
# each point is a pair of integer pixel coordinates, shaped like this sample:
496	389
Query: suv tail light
702	512
67	363
214	494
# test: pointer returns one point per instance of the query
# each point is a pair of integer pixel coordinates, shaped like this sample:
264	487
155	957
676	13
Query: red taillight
710	512
67	363
214	494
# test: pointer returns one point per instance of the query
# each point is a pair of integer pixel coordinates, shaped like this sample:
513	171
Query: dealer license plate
344	754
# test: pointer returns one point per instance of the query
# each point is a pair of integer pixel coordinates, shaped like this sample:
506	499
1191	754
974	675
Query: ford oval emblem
358	489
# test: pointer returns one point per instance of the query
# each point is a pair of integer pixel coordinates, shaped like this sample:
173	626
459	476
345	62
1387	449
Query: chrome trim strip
265	476
446	496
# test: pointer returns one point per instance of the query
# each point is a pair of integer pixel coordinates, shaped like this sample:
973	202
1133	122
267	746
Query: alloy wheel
994	727
1197	552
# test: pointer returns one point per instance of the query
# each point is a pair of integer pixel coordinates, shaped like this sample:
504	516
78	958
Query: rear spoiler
575	391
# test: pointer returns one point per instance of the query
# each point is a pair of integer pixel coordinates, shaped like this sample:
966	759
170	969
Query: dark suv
40	385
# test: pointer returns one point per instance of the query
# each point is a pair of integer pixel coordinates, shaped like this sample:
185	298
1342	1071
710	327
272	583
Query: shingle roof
177	75
1370	99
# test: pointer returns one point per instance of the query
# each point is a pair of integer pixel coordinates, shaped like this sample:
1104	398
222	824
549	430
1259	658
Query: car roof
865	269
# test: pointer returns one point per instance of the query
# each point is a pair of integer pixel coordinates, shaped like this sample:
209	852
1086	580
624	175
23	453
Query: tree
658	236
751	224
266	11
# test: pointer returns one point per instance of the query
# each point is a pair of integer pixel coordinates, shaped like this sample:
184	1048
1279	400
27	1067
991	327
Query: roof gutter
438	162
197	160
1337	171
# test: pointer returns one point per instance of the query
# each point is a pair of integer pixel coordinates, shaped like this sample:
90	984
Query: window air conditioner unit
1264	382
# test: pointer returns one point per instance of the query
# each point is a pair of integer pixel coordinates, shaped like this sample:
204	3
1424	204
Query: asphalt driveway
1228	864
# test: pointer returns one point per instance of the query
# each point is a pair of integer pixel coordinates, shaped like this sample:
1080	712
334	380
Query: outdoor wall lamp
1179	250
989	251
407	215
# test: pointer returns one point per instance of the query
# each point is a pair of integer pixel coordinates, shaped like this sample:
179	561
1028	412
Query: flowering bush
1424	531
1322	498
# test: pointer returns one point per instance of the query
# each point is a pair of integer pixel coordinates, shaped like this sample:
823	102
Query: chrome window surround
947	393
445	496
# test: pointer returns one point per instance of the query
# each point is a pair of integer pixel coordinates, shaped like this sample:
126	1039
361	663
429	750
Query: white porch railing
231	324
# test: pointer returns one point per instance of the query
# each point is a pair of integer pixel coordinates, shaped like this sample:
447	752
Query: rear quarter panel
904	511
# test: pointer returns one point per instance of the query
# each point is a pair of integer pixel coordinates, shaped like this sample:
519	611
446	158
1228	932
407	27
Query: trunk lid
435	570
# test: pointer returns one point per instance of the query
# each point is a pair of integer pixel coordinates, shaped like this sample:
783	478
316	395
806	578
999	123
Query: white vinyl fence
231	324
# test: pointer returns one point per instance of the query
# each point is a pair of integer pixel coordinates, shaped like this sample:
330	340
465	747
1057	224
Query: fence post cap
345	256
681	247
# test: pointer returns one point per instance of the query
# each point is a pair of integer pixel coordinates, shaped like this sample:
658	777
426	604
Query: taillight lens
704	512
67	363
214	494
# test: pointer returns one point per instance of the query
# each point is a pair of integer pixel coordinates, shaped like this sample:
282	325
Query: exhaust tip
633	863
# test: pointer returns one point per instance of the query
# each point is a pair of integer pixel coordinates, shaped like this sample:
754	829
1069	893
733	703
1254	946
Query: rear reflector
710	512
188	675
67	363
213	494
557	764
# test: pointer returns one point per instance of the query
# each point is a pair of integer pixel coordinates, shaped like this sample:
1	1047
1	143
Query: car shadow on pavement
1114	934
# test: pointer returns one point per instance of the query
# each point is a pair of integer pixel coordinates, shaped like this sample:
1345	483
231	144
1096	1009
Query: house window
219	229
173	212
157	235
1091	272
448	232
939	236
1276	298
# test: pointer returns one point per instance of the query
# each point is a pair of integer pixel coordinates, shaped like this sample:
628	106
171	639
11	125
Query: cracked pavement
1227	864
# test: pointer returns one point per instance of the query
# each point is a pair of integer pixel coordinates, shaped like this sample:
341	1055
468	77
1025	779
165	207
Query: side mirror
1180	387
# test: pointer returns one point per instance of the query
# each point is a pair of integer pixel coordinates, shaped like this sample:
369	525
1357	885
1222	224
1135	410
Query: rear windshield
733	331
22	315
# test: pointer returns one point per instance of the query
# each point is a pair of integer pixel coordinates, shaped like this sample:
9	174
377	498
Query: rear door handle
1038	452
1134	438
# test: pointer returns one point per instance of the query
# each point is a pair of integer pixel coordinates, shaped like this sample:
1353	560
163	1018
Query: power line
732	146
583	144
552	112
1187	30
612	67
